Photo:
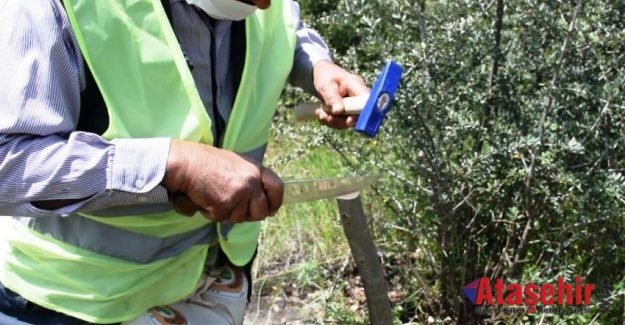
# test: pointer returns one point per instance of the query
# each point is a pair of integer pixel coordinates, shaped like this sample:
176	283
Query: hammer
372	108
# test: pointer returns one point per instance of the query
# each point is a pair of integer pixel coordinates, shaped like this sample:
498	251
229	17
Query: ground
278	299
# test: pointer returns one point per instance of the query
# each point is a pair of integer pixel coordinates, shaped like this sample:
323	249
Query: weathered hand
220	184
333	83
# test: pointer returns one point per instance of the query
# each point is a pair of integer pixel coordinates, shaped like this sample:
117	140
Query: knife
298	191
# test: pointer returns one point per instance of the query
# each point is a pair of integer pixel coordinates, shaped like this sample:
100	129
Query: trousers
219	299
15	310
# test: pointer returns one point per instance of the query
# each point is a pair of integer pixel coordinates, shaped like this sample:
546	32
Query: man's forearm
52	173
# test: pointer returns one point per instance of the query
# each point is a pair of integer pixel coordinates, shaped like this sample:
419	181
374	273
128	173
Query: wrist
176	167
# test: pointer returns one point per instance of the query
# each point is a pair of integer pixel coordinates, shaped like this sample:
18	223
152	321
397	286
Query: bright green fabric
264	76
93	287
142	74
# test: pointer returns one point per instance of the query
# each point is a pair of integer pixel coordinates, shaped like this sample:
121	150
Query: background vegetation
503	157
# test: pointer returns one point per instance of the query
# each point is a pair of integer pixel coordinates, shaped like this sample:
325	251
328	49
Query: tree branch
488	108
556	73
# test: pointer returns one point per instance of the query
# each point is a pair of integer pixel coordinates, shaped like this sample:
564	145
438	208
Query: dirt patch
284	303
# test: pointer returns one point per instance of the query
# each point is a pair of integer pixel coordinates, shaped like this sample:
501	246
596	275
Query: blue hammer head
380	99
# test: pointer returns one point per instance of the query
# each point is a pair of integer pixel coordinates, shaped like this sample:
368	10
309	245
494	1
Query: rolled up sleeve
310	48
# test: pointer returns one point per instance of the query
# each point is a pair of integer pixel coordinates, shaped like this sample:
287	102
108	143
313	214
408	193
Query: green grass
310	228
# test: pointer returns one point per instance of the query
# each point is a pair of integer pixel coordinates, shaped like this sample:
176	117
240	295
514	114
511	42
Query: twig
424	39
556	73
464	200
488	107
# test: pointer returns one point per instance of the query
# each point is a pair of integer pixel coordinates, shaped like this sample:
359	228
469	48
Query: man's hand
220	184
333	83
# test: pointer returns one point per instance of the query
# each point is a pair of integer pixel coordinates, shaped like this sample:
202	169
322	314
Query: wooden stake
365	254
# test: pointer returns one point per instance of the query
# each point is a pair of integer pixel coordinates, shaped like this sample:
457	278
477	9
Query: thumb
274	189
332	99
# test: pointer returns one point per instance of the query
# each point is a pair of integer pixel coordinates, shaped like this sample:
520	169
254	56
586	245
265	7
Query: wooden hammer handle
353	106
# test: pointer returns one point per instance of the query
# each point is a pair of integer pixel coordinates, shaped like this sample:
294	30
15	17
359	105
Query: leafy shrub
505	150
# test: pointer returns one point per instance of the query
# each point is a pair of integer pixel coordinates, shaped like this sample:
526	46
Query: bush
504	152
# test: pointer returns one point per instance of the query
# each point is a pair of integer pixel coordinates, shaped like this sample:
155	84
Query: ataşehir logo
481	293
470	290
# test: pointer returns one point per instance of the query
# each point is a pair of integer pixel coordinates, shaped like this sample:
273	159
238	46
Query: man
118	121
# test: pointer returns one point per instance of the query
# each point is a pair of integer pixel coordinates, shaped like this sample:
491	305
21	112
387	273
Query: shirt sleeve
310	48
41	156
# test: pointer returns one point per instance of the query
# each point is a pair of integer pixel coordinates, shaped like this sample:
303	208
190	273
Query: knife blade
298	191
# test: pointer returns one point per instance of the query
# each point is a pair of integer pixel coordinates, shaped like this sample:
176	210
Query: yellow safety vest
96	268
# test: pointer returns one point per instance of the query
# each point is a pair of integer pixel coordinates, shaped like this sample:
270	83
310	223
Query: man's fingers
217	213
183	204
209	213
354	86
351	120
259	205
332	98
241	211
273	188
336	121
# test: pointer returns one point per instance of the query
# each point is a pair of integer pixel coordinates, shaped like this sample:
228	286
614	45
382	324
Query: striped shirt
42	157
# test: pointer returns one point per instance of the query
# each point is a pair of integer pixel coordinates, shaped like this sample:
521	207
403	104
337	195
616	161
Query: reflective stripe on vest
119	39
93	236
